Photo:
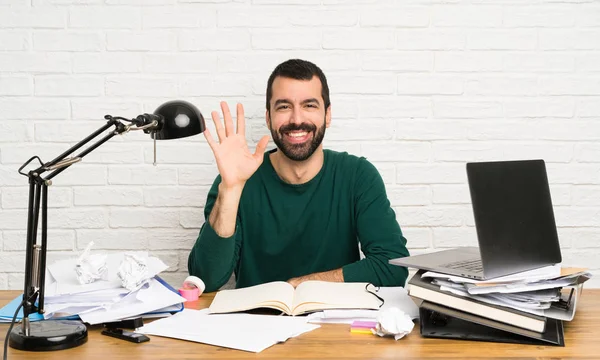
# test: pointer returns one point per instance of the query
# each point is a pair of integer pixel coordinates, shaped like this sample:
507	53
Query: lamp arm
66	164
172	120
35	255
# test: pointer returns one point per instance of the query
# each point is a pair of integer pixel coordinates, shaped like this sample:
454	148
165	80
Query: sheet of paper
547	272
66	310
565	314
495	301
106	296
551	311
520	286
341	316
147	299
349	321
246	332
63	273
393	297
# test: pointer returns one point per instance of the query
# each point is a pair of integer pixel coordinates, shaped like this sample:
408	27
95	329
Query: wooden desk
582	338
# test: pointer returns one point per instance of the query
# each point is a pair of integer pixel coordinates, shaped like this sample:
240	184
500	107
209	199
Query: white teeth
297	134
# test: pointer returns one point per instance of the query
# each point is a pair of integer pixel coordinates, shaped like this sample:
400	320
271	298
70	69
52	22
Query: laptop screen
513	215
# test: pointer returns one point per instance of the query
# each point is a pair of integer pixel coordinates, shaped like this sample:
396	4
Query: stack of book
528	311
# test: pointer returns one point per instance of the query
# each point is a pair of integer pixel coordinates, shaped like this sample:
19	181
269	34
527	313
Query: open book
309	296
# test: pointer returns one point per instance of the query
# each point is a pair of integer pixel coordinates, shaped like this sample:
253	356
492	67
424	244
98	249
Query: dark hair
299	70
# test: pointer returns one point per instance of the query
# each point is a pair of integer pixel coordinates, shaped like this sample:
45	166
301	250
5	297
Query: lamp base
49	335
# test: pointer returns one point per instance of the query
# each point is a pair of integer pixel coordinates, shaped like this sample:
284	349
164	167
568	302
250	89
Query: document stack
527	307
107	299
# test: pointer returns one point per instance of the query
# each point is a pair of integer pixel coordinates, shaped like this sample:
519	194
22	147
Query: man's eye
282	107
311	105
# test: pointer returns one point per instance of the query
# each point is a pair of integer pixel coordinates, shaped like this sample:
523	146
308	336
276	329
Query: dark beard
298	152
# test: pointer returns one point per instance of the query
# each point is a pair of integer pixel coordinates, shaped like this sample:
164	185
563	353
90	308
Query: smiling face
297	117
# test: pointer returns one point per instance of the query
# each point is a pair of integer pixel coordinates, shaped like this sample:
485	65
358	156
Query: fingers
260	148
227	118
209	139
218	126
241	121
228	130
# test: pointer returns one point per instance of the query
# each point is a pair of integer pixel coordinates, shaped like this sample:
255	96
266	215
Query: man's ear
328	116
267	120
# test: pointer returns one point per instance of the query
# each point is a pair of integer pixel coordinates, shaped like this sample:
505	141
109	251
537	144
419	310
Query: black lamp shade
179	119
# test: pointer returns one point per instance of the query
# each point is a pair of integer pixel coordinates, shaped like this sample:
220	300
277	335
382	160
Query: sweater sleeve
213	258
378	232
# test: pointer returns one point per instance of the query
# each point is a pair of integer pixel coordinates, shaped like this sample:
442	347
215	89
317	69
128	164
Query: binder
438	321
424	289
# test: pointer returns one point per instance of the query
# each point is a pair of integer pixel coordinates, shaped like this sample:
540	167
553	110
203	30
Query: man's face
297	117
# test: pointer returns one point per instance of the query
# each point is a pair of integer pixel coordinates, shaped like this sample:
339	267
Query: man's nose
296	117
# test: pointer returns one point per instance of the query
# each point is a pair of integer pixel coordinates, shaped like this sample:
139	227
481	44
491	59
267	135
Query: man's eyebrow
304	102
311	100
281	101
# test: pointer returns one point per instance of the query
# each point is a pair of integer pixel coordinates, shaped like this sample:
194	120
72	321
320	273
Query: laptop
514	221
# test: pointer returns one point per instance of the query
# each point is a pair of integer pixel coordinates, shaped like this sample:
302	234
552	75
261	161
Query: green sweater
284	231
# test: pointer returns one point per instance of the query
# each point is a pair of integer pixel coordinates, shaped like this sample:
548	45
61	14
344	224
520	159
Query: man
297	212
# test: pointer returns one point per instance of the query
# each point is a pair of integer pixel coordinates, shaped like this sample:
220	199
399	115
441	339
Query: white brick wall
419	87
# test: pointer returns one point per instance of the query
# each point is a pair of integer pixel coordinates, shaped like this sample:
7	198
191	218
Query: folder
8	311
439	321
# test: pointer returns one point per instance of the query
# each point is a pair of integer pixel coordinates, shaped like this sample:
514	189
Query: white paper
56	311
394	297
397	297
531	286
537	296
91	267
105	296
341	316
394	322
133	271
147	299
63	271
560	313
65	276
544	273
246	332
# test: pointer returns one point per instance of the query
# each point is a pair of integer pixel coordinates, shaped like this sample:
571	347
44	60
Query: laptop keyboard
470	265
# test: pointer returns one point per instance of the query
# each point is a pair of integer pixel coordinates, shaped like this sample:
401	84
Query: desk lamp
172	120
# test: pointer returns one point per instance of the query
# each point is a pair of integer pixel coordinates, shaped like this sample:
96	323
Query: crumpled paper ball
133	271
91	267
393	321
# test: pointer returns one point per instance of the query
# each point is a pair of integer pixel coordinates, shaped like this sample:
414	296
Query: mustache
297	127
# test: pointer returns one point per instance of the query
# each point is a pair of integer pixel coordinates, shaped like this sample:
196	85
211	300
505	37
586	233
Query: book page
321	295
277	295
